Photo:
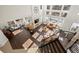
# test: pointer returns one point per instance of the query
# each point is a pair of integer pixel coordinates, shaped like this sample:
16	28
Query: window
55	13
47	12
57	7
63	14
40	6
48	7
66	7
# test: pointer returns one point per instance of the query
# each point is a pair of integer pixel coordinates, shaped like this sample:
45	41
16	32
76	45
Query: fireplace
36	21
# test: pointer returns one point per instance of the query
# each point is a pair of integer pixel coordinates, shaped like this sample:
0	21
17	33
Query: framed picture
57	7
41	7
66	7
55	13
47	12
48	7
63	14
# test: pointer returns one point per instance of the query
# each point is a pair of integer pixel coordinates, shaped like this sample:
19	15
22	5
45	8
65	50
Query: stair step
62	47
46	49
42	49
49	49
55	46
52	48
59	47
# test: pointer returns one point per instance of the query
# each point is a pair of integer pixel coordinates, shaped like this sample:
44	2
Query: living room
39	28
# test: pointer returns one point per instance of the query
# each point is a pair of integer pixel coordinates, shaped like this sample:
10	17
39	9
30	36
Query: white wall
71	17
12	12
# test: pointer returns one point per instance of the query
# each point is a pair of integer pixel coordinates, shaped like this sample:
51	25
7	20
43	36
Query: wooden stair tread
46	49
54	44
59	46
52	49
49	48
